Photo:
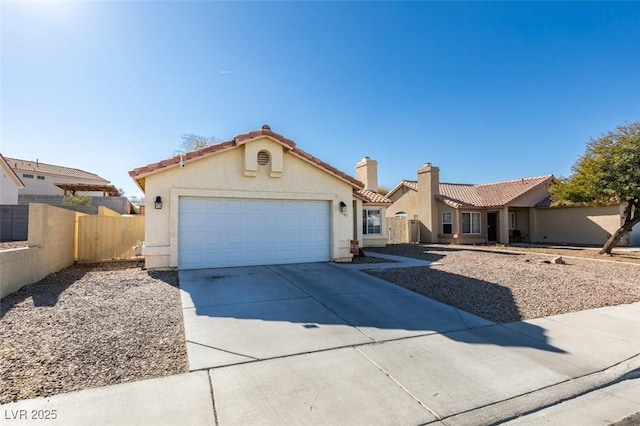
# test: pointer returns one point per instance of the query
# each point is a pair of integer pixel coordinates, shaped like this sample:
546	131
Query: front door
492	227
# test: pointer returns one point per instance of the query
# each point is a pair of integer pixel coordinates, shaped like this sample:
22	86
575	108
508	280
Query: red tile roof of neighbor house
140	173
372	197
484	195
20	166
411	184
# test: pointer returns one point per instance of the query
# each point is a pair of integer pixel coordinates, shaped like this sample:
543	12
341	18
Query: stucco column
504	226
428	188
37	225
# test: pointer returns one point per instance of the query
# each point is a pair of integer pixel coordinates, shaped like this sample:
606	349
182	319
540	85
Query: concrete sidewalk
456	373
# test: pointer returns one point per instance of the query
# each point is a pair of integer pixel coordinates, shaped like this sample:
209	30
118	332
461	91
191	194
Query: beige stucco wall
531	198
522	222
455	225
576	225
407	202
51	247
457	237
105	211
375	240
231	174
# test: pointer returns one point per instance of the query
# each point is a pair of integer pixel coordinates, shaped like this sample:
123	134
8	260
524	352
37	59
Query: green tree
383	190
193	142
607	173
76	200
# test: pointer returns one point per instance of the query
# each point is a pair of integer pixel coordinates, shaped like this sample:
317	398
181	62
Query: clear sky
487	91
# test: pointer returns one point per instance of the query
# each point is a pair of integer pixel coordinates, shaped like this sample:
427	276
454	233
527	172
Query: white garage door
216	232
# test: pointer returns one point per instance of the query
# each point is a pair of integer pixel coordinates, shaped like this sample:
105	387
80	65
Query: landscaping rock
90	326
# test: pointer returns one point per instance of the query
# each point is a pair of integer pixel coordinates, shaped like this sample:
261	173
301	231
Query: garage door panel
232	232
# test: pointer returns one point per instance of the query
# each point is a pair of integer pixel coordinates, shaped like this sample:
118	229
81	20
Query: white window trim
512	221
471	214
364	223
445	222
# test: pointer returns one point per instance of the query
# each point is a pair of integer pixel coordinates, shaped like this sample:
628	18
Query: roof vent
263	158
266	127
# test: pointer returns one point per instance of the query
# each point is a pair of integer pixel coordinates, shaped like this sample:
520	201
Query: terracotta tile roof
372	197
24	166
490	194
411	184
140	173
484	195
459	195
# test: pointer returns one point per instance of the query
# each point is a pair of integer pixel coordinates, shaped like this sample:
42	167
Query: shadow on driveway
290	309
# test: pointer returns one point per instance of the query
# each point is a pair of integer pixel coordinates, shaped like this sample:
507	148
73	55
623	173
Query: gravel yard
89	326
506	287
95	325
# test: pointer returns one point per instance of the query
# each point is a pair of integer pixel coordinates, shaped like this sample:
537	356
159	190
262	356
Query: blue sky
487	91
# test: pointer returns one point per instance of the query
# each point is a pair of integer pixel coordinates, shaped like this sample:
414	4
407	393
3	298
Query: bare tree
192	142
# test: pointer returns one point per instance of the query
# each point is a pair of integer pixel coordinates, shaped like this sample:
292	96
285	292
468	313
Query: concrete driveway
236	315
327	344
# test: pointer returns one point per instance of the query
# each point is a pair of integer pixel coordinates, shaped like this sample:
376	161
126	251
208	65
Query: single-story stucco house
257	199
506	212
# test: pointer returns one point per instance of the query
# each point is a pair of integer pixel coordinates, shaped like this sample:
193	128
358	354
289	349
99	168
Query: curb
531	402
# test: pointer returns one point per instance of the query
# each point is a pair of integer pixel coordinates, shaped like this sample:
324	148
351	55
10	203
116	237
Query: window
471	222
24	175
447	223
40	177
371	222
401	215
512	221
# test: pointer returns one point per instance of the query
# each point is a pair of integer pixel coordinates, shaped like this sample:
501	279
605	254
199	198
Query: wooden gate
105	238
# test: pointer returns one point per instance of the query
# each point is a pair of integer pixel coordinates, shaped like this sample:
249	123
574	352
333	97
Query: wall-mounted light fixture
343	207
158	202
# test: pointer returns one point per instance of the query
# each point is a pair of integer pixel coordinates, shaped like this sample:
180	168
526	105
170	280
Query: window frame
512	221
471	223
365	222
449	222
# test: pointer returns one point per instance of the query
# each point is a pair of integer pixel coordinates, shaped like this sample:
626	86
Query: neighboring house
10	183
48	179
257	199
511	211
374	222
465	213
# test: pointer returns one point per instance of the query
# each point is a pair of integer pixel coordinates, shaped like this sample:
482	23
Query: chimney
367	173
428	187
